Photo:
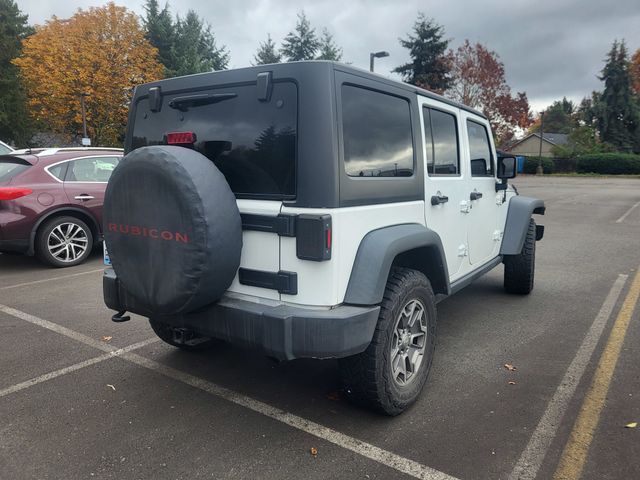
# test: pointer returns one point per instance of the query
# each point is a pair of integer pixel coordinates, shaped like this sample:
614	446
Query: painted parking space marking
73	368
62	277
626	214
531	458
367	450
574	455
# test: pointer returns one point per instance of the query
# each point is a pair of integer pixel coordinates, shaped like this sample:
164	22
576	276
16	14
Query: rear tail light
313	237
181	138
11	193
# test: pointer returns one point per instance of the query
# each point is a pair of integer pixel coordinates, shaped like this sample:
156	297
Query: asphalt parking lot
82	397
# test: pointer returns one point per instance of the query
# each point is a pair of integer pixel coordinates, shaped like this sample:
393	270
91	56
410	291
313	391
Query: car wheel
64	242
390	374
182	338
519	269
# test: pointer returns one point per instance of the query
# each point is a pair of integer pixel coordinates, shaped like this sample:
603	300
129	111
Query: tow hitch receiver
184	336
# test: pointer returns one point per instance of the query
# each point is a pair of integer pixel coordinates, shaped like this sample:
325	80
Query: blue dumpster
520	164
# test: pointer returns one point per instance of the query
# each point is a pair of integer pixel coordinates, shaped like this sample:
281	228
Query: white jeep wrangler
310	209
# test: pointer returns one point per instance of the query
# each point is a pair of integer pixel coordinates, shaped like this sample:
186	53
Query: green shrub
609	163
531	164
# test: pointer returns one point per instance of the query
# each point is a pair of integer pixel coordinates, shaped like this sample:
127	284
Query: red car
51	202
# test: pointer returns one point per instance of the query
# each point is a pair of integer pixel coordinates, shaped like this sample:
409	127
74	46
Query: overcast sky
550	48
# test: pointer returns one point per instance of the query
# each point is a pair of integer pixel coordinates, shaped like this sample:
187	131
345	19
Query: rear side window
479	150
11	168
4	149
441	137
92	169
377	135
58	170
252	142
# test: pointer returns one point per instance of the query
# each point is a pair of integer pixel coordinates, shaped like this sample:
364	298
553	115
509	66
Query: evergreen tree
328	48
302	43
195	47
14	117
560	117
430	65
161	34
267	53
185	46
617	113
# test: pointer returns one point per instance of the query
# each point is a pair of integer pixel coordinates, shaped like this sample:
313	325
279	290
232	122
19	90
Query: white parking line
72	368
531	458
35	282
384	457
626	214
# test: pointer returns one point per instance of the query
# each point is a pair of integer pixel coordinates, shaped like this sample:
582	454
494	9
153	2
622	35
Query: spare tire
172	228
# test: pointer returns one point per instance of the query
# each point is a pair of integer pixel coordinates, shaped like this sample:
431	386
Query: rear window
252	142
11	168
377	134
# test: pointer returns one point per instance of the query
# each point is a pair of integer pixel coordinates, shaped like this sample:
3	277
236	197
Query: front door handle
438	199
475	196
84	196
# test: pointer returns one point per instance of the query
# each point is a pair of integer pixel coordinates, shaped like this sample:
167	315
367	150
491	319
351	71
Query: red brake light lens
11	193
181	138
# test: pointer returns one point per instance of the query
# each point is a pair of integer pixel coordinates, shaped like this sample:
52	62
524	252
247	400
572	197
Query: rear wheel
389	375
519	269
64	242
181	338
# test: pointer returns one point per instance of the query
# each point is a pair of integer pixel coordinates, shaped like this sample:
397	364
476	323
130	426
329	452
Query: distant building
529	146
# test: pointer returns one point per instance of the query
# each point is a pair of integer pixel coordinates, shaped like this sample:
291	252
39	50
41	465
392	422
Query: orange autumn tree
100	52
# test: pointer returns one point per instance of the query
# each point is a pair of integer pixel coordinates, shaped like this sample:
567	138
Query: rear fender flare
408	245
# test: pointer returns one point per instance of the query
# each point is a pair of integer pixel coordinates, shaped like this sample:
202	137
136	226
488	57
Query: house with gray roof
529	146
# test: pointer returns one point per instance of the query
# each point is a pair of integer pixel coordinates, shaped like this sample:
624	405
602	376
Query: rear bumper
281	331
19	246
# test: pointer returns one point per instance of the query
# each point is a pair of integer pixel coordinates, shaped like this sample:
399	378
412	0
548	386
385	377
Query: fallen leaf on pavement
112	387
631	425
106	338
314	451
512	382
509	367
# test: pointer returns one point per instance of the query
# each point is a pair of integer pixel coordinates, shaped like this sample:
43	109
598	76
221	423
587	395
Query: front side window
377	134
479	150
441	136
93	169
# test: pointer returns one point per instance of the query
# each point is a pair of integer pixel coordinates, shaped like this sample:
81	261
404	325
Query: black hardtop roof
245	74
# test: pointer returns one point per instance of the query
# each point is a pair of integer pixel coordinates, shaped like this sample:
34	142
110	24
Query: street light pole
85	138
375	55
540	170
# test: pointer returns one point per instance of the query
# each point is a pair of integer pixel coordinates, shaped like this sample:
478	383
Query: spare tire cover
173	229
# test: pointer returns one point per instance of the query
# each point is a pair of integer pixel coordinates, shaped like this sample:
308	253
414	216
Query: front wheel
519	269
390	374
64	242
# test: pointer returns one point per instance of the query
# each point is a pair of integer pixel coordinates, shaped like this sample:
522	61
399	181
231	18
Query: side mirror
506	167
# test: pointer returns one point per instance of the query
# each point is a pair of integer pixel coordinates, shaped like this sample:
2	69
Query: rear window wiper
197	100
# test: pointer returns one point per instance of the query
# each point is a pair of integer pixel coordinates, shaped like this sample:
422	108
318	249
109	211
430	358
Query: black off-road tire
519	269
165	333
44	237
367	377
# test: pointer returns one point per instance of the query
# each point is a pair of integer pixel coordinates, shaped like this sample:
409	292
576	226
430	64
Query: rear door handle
438	199
475	196
84	196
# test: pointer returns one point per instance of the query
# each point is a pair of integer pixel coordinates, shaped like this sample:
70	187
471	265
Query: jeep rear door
446	187
250	136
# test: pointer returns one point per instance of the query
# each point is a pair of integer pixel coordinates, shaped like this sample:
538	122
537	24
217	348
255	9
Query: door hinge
497	235
465	206
463	251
